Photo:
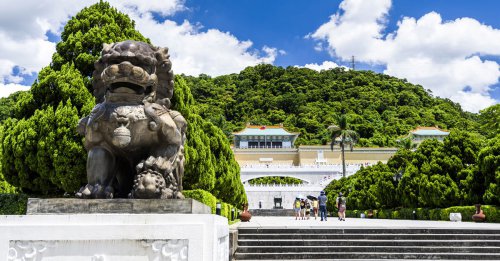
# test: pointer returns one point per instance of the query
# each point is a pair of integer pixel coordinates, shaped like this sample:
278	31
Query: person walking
303	209
341	205
322	199
308	209
315	208
296	208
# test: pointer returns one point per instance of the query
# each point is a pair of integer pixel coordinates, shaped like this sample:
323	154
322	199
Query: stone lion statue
134	140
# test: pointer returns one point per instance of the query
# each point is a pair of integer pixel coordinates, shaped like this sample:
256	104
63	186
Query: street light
397	176
218	208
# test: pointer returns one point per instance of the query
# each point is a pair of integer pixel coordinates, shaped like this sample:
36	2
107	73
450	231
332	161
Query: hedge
492	213
13	204
208	199
202	196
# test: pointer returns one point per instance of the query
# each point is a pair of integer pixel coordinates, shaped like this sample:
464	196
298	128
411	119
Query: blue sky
450	47
283	24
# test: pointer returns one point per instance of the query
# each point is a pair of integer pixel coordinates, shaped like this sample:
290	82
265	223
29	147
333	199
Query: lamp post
398	176
218	207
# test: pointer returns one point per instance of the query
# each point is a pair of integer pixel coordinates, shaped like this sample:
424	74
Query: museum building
269	151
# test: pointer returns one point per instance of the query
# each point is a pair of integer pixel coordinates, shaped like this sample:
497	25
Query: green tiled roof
430	132
264	131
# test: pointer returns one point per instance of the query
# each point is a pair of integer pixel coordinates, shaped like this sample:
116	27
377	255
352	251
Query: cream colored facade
311	155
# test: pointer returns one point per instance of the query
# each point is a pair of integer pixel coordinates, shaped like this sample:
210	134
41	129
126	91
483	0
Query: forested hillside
379	107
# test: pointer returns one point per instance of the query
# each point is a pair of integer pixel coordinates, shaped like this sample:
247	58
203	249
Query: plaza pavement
333	222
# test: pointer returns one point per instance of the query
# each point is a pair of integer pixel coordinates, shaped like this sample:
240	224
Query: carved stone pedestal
114	237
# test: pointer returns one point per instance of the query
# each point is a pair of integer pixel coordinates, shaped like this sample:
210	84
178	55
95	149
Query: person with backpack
308	209
296	207
303	209
341	205
315	208
322	199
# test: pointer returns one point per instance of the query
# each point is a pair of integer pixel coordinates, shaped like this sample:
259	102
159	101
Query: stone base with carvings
37	206
114	237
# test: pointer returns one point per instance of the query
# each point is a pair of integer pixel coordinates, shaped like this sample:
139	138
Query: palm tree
342	136
406	143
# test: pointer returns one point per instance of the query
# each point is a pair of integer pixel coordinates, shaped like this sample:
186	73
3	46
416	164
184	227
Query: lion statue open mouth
135	142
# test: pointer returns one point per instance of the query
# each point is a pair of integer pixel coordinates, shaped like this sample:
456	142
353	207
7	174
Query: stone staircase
367	243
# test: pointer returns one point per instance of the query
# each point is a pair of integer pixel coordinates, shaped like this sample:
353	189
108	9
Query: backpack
341	201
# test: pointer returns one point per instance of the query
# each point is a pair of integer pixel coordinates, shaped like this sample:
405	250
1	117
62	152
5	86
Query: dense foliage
13	204
276	180
492	213
379	107
210	163
462	170
489	119
42	153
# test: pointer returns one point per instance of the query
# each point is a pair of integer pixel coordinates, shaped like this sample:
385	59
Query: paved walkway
333	222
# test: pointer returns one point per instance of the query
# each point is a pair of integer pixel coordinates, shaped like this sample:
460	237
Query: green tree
489	166
42	152
210	163
489	119
340	134
406	143
85	33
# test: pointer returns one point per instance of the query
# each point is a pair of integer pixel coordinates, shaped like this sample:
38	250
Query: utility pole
353	64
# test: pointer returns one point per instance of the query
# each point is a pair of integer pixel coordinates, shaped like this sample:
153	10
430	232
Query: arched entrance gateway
268	151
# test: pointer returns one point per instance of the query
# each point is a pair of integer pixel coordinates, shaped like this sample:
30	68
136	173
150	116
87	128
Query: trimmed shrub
13	204
466	211
226	210
492	213
202	196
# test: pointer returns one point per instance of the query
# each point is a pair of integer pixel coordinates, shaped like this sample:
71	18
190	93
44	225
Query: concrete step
366	249
370	256
364	242
411	236
312	230
313	243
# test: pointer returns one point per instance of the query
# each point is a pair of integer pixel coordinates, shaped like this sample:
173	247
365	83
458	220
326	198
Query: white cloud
162	7
473	101
25	46
7	89
324	66
193	52
23	29
444	56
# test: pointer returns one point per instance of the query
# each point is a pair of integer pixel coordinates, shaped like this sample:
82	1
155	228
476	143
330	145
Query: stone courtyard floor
283	222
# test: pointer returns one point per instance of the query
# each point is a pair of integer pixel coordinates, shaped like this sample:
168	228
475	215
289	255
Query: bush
492	213
226	210
208	199
202	196
13	204
466	211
